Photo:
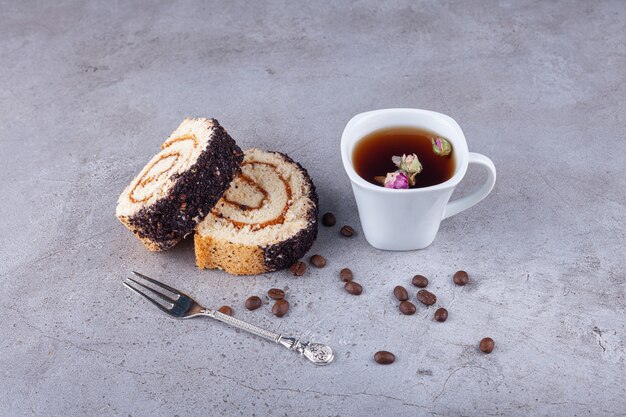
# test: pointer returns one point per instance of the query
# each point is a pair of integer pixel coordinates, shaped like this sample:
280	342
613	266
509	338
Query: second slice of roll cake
265	221
181	184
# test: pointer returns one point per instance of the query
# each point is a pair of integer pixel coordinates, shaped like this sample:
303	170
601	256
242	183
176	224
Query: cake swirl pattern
266	219
167	162
180	185
259	197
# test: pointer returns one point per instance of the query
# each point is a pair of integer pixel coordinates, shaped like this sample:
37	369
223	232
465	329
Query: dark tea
372	155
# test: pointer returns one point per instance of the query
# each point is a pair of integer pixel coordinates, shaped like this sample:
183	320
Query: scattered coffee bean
353	288
328	219
460	278
486	345
276	294
345	274
441	314
347	231
400	293
426	297
407	308
226	310
298	268
420	281
280	308
384	358
318	260
254	302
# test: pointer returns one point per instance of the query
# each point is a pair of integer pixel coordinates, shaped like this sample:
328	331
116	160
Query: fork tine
160	284
167	310
159	294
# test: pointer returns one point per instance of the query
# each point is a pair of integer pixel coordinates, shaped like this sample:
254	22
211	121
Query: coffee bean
426	297
407	308
328	219
298	268
400	293
226	310
384	358
280	308
486	345
441	314
460	278
318	260
276	294
420	281
347	231
353	288
345	274
254	302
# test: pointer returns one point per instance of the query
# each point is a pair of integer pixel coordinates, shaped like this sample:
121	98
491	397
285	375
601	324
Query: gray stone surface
88	91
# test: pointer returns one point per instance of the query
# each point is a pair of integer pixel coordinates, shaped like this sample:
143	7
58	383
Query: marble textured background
89	90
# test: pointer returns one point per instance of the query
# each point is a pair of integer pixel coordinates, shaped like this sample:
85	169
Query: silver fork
181	306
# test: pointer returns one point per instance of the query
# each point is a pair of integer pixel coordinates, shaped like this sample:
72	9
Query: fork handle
315	352
240	324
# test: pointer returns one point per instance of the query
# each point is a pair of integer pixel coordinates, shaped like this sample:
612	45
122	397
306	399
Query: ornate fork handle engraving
315	352
240	324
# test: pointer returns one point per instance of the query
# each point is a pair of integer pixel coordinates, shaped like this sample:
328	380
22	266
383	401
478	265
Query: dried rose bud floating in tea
404	157
398	179
408	168
441	146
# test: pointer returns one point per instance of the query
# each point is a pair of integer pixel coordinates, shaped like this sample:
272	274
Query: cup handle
462	204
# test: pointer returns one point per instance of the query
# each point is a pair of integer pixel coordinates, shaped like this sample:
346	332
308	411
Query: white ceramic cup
409	219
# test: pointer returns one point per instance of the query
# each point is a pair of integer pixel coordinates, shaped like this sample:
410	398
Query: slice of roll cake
181	184
265	221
